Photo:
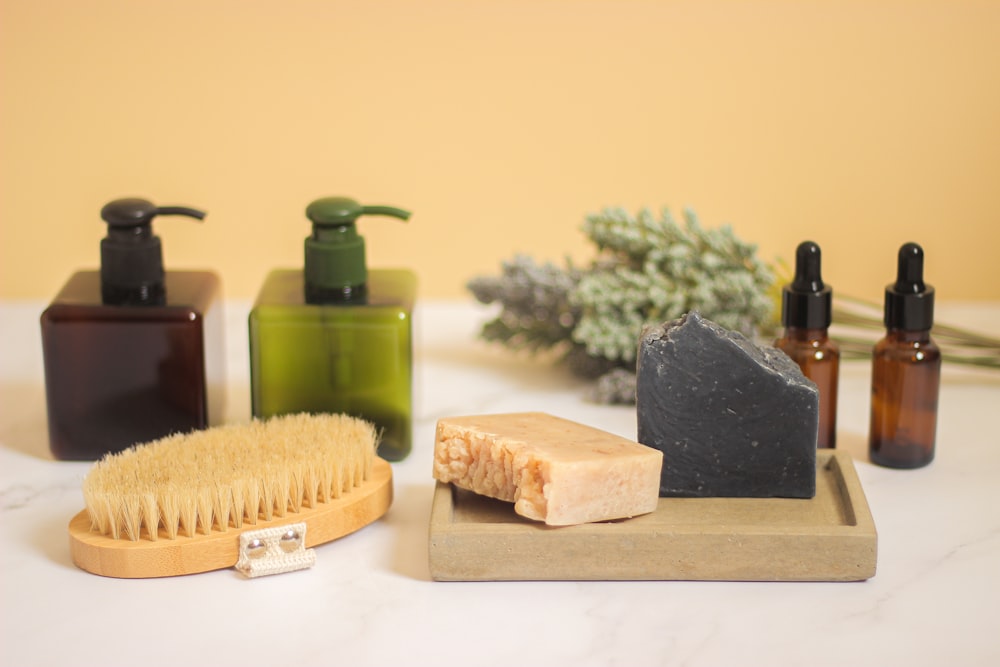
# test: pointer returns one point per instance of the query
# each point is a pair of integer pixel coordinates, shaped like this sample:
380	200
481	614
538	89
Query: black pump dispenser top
909	302
807	302
131	255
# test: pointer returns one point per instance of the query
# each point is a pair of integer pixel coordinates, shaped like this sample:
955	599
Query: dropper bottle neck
909	302
807	302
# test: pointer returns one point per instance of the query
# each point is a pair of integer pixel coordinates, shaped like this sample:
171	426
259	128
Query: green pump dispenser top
335	268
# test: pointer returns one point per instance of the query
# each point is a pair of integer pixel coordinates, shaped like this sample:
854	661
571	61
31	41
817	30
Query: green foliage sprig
652	269
648	269
537	313
857	325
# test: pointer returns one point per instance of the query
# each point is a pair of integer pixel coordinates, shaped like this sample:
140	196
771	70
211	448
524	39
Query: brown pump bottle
132	352
806	306
906	370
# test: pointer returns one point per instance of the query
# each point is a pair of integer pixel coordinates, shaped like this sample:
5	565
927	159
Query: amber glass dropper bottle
806	306
906	370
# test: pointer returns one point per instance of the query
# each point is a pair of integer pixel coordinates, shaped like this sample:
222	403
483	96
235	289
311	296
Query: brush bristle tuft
228	475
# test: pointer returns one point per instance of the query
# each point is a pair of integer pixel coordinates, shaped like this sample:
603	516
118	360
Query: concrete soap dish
828	538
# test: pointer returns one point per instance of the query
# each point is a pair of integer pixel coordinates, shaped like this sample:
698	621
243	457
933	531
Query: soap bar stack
732	419
553	470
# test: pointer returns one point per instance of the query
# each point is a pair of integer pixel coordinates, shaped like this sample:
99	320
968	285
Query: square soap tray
830	537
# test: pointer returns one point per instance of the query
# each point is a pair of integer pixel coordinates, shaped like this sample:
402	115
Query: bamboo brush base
99	554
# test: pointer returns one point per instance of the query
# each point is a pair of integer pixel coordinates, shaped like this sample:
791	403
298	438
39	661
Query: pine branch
652	270
536	314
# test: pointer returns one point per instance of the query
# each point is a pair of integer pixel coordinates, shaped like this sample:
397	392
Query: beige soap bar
553	470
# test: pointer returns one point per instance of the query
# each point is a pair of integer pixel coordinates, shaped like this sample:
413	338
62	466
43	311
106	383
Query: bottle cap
131	255
909	302
806	303
335	269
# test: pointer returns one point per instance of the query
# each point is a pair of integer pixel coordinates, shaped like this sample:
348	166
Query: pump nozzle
334	211
134	212
335	268
909	302
131	255
807	302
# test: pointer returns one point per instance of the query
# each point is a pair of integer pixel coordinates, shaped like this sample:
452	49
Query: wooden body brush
180	505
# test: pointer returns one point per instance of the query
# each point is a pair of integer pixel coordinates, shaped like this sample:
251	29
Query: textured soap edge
667	384
541	489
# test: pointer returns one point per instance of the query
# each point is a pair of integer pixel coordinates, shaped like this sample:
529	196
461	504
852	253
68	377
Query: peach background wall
860	125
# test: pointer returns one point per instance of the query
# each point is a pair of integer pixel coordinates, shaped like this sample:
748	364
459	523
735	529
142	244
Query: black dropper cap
131	255
909	302
806	303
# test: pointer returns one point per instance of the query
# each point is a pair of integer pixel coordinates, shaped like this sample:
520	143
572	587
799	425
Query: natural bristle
225	476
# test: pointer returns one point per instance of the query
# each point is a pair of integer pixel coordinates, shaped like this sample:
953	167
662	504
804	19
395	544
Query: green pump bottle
335	336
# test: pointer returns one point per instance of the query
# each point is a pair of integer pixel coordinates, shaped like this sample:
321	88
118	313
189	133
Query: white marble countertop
369	599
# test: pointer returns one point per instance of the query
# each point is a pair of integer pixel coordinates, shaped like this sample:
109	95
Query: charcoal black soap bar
732	418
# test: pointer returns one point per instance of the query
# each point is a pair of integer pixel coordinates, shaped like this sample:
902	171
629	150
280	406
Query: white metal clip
274	550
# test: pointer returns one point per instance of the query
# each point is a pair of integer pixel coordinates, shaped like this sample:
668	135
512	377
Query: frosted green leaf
649	269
